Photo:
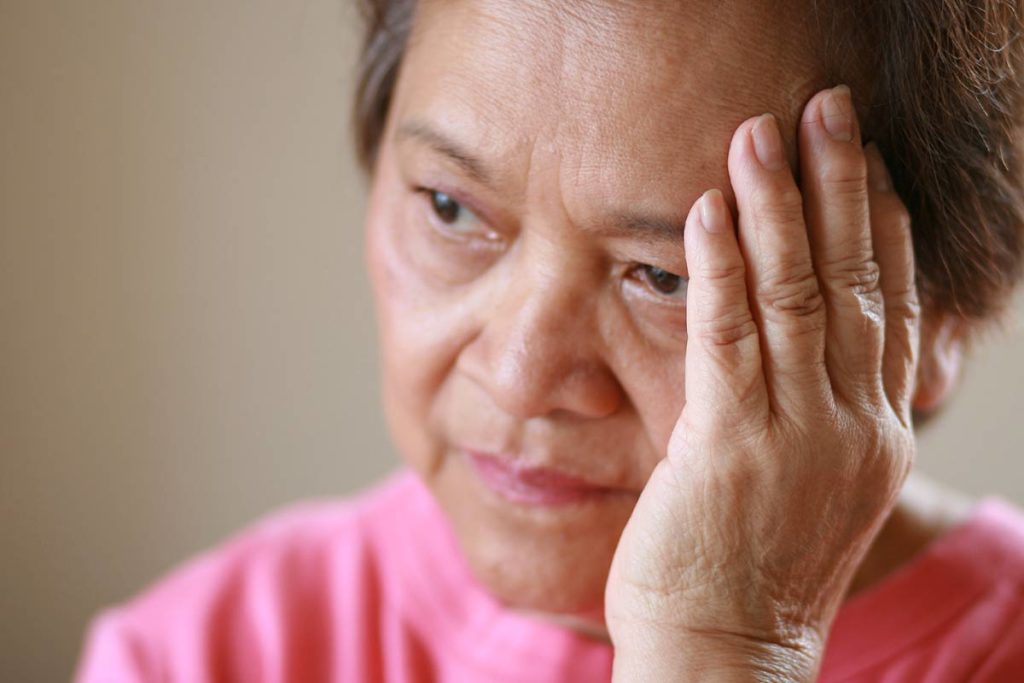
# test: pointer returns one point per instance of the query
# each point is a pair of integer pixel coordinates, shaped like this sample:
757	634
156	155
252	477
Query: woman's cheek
435	256
424	322
661	320
649	359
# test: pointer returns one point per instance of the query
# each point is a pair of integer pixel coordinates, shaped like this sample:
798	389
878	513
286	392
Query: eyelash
644	270
431	194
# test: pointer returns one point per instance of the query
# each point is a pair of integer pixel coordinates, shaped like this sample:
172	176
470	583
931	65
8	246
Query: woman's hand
796	436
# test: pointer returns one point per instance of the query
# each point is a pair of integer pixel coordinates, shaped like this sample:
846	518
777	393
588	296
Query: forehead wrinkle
616	218
573	60
595	216
672	44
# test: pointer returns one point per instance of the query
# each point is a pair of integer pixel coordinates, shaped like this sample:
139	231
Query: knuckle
723	274
778	204
872	322
792	294
904	307
845	178
883	460
726	329
860	275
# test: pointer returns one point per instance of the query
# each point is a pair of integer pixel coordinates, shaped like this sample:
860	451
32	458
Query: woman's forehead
622	92
615	56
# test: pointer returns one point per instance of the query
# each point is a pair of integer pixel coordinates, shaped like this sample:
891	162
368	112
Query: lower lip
530	487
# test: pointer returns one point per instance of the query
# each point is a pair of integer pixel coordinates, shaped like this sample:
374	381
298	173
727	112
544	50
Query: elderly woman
664	289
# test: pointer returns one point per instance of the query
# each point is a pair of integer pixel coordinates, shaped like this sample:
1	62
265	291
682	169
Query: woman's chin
542	582
545	558
560	571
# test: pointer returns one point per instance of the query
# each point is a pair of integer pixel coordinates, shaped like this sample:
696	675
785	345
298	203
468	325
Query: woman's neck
924	511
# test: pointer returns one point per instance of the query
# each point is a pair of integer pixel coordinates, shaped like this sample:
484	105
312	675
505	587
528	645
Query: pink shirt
375	589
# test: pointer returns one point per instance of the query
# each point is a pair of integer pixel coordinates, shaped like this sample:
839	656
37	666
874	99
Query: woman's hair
939	86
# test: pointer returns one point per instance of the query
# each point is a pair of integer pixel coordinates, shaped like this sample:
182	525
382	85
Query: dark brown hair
941	97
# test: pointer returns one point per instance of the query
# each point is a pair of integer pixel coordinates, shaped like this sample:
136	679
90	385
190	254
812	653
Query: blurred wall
185	329
186	333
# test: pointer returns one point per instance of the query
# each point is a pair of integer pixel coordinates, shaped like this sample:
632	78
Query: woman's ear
941	360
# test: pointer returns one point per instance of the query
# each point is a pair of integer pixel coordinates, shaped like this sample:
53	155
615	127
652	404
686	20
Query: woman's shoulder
954	613
986	550
308	563
306	532
1002	522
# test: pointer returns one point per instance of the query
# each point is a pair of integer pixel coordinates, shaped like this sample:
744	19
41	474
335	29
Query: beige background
185	331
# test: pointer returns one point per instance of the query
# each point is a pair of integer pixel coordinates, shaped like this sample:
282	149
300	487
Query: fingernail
712	212
768	143
878	172
837	114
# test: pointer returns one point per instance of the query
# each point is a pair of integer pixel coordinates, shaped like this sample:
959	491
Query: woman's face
525	247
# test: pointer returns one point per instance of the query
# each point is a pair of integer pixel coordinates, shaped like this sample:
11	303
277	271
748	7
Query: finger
724	377
835	192
783	288
894	251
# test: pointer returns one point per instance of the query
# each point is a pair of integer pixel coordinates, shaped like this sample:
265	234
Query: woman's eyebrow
446	145
651	227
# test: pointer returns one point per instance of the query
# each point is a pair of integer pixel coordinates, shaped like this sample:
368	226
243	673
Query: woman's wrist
651	655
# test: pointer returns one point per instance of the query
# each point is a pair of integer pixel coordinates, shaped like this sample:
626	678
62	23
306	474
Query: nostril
528	382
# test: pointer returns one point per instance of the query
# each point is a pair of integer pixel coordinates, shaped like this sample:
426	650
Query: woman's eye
453	214
664	282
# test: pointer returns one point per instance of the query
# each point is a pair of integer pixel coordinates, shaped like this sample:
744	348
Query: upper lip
540	475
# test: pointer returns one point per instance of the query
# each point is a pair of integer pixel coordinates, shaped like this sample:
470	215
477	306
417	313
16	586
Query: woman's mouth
531	485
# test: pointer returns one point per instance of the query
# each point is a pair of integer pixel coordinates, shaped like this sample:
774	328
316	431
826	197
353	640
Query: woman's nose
539	351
